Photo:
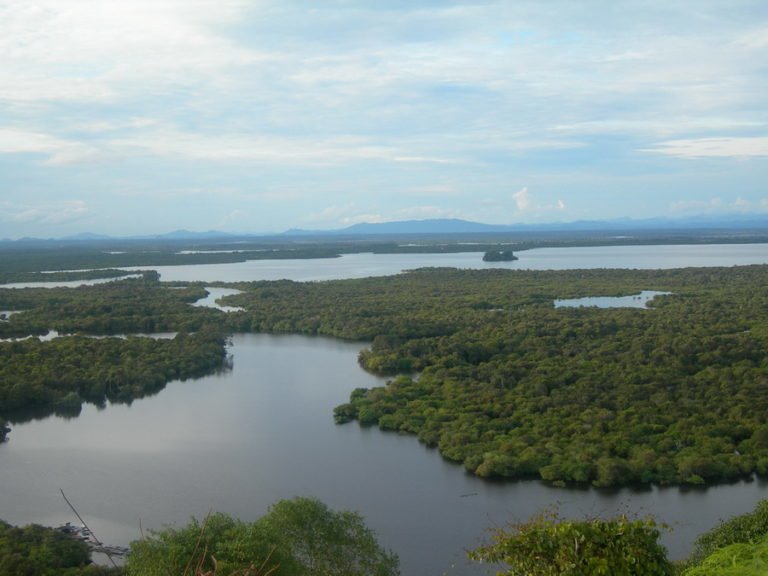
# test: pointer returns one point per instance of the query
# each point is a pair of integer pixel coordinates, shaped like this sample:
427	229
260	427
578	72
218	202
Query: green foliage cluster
120	307
512	387
741	559
299	537
499	256
550	546
38	551
749	529
38	378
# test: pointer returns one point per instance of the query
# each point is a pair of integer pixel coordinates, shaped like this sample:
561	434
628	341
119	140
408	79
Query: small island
499	256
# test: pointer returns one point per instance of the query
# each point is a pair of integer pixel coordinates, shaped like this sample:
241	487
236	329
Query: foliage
512	387
740	559
550	546
38	378
748	529
39	551
121	307
301	537
507	384
499	256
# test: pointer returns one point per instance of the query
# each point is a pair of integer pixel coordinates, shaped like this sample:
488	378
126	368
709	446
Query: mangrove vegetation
512	387
484	367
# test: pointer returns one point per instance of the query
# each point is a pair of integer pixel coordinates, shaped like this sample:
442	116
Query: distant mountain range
447	226
457	226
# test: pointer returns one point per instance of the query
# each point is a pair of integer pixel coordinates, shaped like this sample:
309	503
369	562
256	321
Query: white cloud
349	214
424	213
58	150
524	202
717	204
169	142
90	50
522	199
331	214
441	190
730	147
707	205
665	126
53	213
754	39
266	148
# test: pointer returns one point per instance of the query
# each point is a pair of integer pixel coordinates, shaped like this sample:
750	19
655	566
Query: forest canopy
484	367
512	387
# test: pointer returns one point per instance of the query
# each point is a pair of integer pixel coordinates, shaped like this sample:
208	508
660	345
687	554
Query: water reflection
240	440
214	294
364	265
640	300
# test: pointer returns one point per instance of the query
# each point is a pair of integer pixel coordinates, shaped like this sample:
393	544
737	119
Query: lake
363	265
368	264
240	440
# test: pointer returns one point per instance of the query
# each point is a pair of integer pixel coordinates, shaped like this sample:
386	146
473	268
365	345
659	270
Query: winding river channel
241	439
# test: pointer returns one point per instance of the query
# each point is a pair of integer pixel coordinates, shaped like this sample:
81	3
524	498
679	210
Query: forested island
499	256
39	377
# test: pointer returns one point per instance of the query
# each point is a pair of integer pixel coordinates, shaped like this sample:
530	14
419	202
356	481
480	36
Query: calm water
240	440
65	283
640	300
367	264
362	265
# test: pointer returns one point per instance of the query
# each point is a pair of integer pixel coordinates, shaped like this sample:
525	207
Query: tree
326	542
44	551
299	537
550	546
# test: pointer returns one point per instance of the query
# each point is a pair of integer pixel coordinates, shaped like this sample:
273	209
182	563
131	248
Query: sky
146	116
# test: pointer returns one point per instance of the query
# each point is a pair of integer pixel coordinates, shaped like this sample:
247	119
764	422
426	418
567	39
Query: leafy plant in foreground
550	546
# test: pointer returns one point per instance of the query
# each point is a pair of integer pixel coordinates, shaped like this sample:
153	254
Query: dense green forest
134	305
39	378
490	372
512	387
42	377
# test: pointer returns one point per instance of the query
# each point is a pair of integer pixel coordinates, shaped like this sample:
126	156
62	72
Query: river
239	440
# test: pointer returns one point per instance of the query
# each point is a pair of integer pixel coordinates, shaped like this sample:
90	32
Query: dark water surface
240	440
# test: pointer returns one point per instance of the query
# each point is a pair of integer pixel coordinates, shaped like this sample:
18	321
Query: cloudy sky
144	116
